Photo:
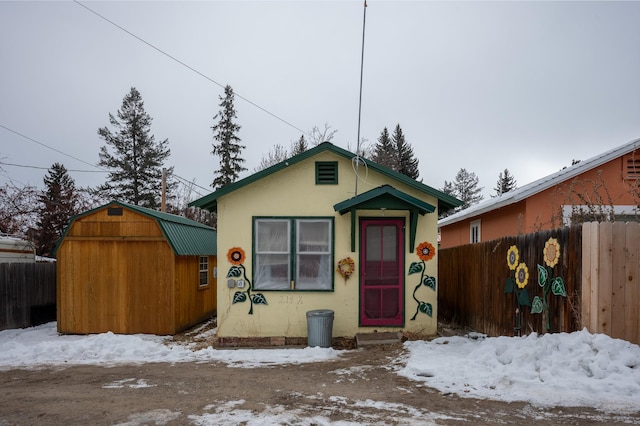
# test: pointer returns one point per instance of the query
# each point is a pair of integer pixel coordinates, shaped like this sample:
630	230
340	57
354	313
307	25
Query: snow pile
576	369
42	346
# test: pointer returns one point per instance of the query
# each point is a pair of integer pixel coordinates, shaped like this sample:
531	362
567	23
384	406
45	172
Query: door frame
399	320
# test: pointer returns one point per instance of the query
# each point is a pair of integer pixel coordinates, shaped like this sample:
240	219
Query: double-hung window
204	271
293	253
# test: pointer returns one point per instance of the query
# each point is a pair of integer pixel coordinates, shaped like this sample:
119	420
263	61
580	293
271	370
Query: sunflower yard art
547	281
237	275
516	283
425	252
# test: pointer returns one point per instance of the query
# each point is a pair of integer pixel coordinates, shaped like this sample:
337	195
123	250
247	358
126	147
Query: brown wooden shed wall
119	274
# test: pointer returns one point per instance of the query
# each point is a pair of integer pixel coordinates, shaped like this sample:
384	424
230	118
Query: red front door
382	277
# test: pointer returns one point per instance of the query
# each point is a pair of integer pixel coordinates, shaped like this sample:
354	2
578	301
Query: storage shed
128	269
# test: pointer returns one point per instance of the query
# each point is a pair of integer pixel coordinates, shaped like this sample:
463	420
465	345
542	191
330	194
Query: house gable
445	202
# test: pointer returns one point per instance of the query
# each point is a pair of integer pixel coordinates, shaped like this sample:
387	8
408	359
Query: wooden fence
600	266
611	279
471	284
27	294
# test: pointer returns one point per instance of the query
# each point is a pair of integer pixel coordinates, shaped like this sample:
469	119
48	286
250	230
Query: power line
47	168
51	148
188	67
102	170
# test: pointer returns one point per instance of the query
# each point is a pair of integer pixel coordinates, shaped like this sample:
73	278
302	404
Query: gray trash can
319	327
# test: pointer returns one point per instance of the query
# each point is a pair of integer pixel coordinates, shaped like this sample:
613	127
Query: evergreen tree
407	163
506	182
299	146
228	147
384	151
466	189
59	203
448	189
136	162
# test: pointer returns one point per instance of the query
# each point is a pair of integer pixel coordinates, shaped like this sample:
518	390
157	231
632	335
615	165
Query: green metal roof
185	236
445	201
385	197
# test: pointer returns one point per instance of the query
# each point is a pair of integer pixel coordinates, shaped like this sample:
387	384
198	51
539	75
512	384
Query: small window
474	230
326	173
114	211
204	271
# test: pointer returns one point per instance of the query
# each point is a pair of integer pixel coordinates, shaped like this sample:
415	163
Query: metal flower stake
516	283
236	256
425	252
547	281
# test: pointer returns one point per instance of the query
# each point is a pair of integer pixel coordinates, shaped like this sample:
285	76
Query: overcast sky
528	86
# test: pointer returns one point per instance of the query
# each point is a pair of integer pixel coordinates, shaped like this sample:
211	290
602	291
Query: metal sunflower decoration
516	283
426	252
547	281
236	257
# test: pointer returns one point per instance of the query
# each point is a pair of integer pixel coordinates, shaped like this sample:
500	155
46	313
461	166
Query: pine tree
299	146
136	162
448	189
384	151
228	148
407	163
506	182
59	203
466	189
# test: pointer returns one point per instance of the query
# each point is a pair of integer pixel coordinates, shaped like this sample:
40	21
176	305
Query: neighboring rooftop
540	185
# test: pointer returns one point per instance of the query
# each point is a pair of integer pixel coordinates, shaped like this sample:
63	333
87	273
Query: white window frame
475	231
204	269
293	253
618	211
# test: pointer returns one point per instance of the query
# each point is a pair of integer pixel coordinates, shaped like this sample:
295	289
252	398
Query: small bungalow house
323	231
129	269
601	188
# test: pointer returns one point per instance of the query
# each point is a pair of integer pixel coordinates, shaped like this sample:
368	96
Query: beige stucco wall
293	192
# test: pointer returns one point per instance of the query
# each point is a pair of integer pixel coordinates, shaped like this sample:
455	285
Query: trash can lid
320	313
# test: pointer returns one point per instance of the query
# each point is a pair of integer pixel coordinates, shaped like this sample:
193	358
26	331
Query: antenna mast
364	21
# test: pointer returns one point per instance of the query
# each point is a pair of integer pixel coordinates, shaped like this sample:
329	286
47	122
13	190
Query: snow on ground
43	346
576	369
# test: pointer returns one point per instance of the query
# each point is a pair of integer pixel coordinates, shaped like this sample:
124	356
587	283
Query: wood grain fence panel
585	310
472	279
632	283
605	260
595	276
27	294
618	301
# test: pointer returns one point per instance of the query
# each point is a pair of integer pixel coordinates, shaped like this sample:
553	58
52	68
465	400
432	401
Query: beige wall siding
293	193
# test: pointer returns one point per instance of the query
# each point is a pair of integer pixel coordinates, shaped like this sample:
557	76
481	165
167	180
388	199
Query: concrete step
370	339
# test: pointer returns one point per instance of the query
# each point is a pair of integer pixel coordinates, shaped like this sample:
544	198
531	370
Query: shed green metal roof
185	236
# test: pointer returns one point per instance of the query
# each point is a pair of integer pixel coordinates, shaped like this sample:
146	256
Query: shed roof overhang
385	197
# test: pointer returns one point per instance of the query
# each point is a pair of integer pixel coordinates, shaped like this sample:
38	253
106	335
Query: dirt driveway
358	388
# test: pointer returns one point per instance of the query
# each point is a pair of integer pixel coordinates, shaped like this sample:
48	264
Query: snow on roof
540	185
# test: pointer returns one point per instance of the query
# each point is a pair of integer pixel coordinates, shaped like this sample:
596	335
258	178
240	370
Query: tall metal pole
364	21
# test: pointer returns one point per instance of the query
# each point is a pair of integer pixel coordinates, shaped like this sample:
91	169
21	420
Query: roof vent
631	166
327	173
